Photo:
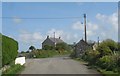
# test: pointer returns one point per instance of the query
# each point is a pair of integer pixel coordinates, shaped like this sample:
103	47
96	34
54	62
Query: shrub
107	62
62	46
111	44
104	49
9	49
91	56
48	47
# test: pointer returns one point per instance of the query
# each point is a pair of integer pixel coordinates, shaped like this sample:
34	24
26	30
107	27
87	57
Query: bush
108	63
9	50
104	49
45	54
111	44
48	47
62	46
91	56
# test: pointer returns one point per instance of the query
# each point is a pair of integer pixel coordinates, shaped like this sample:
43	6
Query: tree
27	51
32	48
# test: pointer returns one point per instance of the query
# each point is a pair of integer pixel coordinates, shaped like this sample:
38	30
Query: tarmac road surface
56	65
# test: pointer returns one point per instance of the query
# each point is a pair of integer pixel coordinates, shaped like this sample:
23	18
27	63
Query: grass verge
108	73
50	53
13	70
102	71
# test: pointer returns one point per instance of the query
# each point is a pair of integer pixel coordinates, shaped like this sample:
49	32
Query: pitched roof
81	42
56	40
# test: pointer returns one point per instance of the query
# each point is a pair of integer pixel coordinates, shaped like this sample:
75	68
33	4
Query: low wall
20	60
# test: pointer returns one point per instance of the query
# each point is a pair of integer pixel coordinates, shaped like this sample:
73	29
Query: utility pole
54	39
85	27
98	40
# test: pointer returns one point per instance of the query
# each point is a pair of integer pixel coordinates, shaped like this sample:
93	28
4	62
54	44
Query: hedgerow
9	50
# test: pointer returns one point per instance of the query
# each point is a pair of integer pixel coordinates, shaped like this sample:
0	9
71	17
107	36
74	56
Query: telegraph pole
54	39
98	40
85	27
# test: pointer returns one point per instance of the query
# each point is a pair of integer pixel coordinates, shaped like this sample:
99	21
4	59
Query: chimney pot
48	36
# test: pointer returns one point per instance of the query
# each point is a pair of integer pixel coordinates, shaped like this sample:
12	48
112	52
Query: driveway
56	65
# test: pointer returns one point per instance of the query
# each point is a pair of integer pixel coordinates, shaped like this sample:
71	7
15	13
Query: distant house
81	47
95	46
51	41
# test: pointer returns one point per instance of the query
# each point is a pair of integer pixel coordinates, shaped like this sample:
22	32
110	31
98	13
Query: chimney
59	37
48	36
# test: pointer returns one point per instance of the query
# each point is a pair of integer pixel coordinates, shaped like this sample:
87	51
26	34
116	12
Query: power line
40	17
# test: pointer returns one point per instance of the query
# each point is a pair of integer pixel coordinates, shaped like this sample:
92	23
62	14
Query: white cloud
91	27
65	36
109	25
101	17
90	33
37	36
114	20
78	26
30	37
58	33
75	36
109	19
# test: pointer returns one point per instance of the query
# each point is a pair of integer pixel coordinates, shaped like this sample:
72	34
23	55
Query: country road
56	65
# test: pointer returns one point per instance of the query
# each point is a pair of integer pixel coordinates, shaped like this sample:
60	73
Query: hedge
9	50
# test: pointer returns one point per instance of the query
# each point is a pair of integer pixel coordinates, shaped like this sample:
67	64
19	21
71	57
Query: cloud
90	33
28	37
75	36
58	33
109	19
66	36
91	27
106	26
78	26
109	25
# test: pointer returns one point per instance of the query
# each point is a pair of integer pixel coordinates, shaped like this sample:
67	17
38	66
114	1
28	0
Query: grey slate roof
56	40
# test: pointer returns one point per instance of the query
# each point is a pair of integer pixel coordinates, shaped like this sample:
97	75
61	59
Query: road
56	65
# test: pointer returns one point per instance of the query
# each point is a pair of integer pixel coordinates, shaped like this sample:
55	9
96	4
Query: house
80	48
51	41
95	46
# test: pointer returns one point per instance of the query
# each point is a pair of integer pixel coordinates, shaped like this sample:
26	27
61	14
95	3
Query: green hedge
0	50
9	50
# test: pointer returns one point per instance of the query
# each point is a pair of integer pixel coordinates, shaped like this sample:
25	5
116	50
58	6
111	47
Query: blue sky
101	21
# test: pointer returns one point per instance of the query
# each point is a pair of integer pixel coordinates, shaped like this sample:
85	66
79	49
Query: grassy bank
49	53
13	70
104	72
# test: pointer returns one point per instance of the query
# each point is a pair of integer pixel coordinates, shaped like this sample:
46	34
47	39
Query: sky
29	23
